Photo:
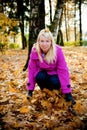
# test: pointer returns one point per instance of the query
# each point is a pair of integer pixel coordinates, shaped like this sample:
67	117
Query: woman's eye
42	41
47	41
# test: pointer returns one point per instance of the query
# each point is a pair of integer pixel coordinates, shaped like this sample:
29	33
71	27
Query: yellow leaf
78	107
16	125
13	89
84	76
73	77
24	109
1	108
5	66
25	101
44	103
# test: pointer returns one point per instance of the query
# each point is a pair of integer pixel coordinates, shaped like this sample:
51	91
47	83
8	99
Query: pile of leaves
45	110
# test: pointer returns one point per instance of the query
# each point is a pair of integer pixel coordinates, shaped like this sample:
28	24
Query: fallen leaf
24	109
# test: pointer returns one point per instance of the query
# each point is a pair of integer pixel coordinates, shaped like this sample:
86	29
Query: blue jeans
47	81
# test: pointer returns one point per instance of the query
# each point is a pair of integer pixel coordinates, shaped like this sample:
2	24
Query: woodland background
30	16
20	22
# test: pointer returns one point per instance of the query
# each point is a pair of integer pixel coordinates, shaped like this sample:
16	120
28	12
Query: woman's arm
32	70
63	72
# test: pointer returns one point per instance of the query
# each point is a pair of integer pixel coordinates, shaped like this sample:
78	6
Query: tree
57	21
50	3
60	38
16	9
22	9
80	24
7	26
75	22
57	17
36	23
65	17
19	8
20	14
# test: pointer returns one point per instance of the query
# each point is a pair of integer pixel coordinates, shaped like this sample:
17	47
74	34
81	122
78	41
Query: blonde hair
51	54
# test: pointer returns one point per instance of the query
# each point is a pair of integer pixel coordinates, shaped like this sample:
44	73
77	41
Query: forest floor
46	110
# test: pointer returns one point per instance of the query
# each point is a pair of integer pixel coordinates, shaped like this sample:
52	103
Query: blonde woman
47	66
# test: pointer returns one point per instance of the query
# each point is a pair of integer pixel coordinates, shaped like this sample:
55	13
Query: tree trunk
56	21
20	14
36	23
60	38
59	33
50	11
1	7
80	24
22	33
65	13
75	23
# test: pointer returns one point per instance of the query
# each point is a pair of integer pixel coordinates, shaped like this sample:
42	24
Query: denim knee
41	77
54	81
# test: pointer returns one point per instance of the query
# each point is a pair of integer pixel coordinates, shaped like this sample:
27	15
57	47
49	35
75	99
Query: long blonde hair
51	54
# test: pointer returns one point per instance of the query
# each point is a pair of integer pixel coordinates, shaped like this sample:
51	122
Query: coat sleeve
63	72
31	70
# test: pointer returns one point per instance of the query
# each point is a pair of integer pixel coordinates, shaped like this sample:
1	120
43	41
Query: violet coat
59	67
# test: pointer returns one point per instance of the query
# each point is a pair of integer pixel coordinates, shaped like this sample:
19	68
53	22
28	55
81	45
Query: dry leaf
24	109
45	109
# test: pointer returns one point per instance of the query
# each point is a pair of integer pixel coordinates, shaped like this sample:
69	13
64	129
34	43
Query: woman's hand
29	94
70	98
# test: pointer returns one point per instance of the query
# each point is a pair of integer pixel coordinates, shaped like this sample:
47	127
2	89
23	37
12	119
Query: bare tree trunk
22	32
36	23
66	23
20	13
50	11
1	7
75	22
57	18
60	38
80	24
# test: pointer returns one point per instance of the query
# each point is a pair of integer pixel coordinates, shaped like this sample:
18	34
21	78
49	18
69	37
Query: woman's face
44	44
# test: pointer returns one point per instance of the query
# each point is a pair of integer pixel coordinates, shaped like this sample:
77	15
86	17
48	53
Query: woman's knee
41	76
54	80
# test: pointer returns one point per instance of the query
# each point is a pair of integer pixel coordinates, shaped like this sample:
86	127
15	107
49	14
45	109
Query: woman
47	66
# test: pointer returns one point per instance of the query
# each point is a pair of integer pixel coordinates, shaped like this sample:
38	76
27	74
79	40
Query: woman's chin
45	51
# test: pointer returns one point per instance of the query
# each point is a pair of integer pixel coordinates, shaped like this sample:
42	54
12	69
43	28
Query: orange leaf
24	109
13	89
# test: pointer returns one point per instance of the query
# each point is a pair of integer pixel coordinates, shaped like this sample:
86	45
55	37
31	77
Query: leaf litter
46	110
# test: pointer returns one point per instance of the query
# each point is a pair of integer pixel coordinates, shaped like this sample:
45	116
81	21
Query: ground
46	110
